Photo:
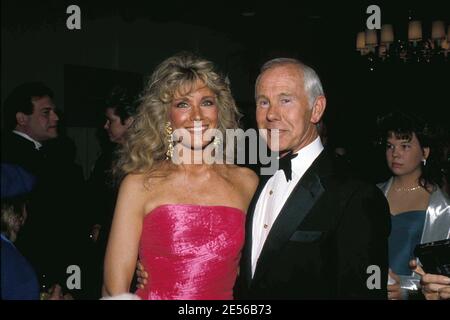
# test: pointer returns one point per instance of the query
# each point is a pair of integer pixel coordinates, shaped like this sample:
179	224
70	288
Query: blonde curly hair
146	141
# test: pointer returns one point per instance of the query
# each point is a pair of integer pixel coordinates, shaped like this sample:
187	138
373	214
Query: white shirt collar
37	144
306	157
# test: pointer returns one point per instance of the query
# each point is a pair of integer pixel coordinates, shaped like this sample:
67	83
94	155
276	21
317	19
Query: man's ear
21	119
318	109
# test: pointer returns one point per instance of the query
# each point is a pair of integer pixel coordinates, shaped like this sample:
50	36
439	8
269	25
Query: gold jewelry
408	189
169	137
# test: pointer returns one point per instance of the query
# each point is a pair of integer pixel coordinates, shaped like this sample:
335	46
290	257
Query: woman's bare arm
123	243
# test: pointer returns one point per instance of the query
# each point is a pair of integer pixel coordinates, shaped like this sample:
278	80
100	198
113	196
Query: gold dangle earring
169	137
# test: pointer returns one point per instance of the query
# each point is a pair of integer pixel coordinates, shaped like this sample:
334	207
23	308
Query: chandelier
416	49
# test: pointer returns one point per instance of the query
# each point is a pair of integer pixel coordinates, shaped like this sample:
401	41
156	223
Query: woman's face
196	111
114	127
15	223
404	156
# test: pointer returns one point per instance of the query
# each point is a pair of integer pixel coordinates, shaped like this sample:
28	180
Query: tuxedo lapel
298	205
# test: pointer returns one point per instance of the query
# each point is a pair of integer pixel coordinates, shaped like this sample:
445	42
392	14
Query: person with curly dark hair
119	112
420	211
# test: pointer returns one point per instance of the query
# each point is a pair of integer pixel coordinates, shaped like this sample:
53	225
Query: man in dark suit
30	120
312	232
47	239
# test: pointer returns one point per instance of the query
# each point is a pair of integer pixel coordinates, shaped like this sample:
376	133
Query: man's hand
142	275
434	287
394	290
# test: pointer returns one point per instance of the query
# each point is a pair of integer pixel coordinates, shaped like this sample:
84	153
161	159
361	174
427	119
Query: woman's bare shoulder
146	181
142	190
244	176
134	181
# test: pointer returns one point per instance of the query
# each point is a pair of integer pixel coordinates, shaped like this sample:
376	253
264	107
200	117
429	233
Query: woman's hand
444	293
394	290
434	287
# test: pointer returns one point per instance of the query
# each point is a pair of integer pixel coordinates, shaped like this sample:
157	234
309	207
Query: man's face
282	103
42	124
114	127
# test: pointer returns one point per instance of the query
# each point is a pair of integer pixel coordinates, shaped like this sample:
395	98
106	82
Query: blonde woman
184	221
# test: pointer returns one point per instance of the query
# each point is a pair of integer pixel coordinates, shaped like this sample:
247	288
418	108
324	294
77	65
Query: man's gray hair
311	81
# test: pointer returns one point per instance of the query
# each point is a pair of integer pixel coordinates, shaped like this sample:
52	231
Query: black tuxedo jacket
20	151
50	236
330	231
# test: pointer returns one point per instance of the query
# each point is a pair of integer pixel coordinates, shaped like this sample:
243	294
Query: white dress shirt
37	144
274	195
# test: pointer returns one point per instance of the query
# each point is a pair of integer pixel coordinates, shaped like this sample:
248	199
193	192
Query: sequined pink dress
191	252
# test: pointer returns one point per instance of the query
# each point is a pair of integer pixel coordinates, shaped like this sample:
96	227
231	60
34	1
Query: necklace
409	189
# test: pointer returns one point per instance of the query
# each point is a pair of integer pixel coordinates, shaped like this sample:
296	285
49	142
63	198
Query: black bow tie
286	165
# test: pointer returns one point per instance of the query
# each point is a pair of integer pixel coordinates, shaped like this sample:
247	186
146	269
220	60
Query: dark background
127	39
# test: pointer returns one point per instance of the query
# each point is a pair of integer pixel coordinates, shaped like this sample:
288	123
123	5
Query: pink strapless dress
191	252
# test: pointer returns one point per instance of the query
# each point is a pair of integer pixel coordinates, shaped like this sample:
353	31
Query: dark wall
133	37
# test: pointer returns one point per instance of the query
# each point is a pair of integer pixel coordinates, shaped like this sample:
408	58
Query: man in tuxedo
30	120
311	232
31	124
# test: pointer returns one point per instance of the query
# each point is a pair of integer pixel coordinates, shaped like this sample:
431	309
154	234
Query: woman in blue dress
420	211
